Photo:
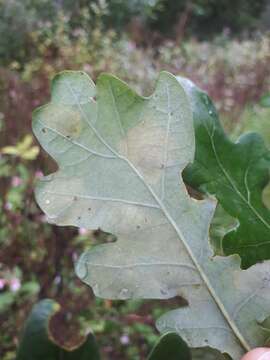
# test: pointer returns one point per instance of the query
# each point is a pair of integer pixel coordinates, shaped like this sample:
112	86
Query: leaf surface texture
120	158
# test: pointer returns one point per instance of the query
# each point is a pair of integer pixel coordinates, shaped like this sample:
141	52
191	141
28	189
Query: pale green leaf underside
120	160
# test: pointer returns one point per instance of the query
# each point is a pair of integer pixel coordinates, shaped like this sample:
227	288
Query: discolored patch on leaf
65	331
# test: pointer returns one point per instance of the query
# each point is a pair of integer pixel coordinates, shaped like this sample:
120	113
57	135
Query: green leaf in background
120	160
254	119
265	100
37	341
236	173
171	347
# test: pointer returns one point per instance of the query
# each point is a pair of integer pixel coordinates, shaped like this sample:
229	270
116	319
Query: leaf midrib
199	268
204	277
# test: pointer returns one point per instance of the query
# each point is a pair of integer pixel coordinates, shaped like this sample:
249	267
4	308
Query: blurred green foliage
255	118
208	17
27	25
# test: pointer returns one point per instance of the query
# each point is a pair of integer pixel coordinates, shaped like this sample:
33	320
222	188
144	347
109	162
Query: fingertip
258	354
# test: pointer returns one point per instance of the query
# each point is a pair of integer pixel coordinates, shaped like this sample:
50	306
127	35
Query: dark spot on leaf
43	130
64	329
194	193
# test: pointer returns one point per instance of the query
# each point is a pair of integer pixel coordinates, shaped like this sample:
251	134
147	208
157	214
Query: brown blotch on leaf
64	330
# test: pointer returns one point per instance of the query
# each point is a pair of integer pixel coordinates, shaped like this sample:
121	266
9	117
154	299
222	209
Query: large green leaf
119	161
38	343
170	346
236	173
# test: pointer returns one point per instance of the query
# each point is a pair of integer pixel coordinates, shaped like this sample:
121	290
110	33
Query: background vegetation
224	46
